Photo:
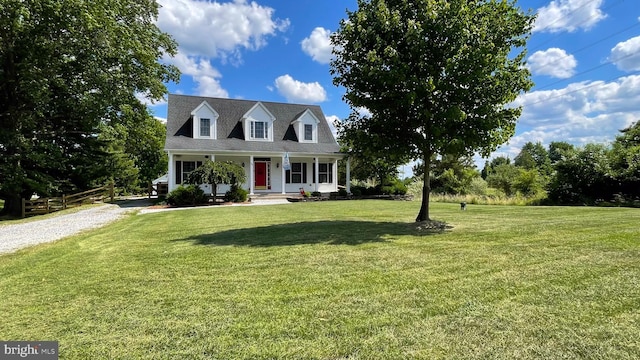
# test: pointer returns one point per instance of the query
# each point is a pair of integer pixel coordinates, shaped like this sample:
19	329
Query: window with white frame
308	132
259	130
205	127
204	121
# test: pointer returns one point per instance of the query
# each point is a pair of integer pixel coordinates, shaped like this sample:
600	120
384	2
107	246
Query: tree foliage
70	69
435	76
452	175
625	161
491	165
559	149
365	166
503	177
597	172
216	173
582	176
534	156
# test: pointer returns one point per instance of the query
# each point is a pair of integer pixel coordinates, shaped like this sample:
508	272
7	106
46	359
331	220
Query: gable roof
230	135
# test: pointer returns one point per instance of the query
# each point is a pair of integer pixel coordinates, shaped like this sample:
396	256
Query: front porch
267	174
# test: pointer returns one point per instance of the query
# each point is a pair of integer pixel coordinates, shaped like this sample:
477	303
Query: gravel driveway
17	236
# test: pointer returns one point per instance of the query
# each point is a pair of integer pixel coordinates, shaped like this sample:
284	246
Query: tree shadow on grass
320	232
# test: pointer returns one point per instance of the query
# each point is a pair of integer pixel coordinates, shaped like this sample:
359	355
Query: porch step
259	197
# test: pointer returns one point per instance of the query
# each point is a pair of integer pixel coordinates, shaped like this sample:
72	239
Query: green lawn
335	280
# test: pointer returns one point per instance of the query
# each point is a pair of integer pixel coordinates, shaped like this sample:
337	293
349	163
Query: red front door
260	175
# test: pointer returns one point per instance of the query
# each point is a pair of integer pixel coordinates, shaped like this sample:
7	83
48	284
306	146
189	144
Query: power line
585	72
578	25
635	24
593	84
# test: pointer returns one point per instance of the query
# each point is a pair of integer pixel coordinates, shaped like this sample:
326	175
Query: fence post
46	206
23	208
150	189
64	201
111	190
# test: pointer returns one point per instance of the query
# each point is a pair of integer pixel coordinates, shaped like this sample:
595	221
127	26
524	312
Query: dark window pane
308	132
205	127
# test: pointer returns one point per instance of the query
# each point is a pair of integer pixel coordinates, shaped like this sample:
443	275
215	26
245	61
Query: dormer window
306	126
205	127
308	132
259	130
258	123
204	121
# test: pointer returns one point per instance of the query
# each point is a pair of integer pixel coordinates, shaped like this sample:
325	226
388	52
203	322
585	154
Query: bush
236	194
342	192
478	186
316	194
186	195
399	187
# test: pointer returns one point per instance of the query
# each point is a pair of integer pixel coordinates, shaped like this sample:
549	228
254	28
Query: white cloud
581	113
363	111
218	30
144	99
626	55
203	74
208	86
331	120
569	15
552	62
297	91
318	45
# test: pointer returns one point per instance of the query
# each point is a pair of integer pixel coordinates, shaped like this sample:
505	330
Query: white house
282	147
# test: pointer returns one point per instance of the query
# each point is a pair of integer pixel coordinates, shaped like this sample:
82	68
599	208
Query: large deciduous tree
435	75
68	70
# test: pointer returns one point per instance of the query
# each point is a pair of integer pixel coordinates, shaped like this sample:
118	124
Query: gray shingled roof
229	130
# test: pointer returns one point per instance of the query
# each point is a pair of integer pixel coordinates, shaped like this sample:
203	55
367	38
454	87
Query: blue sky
584	56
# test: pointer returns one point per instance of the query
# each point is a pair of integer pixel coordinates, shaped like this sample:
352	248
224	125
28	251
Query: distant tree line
560	174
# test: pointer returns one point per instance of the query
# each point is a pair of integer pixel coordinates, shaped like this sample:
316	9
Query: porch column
317	177
284	174
171	175
212	157
252	181
334	181
348	184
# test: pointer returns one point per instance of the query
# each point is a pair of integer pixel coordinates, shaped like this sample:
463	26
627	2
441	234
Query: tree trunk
12	206
423	215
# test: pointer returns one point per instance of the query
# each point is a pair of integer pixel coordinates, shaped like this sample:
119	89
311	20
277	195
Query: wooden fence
159	189
48	205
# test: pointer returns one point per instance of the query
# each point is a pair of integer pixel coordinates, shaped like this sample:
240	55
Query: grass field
335	280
